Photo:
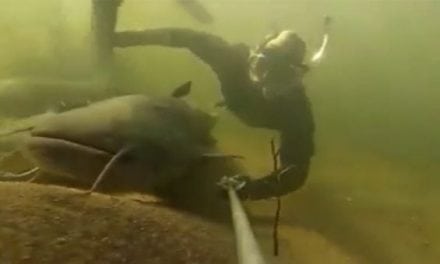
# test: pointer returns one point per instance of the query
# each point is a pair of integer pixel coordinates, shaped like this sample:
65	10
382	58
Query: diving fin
197	11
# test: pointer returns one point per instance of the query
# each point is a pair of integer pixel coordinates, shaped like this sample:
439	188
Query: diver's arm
274	185
296	151
289	178
213	50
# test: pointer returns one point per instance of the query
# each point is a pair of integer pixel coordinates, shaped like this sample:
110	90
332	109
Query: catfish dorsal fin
182	90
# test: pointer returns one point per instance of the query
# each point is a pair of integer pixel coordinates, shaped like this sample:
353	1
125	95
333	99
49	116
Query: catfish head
161	138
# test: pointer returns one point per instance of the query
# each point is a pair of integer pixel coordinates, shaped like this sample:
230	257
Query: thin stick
275	155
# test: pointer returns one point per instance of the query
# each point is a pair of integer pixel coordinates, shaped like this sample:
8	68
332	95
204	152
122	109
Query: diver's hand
237	182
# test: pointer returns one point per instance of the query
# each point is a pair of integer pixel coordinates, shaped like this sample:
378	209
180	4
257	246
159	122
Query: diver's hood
287	44
285	48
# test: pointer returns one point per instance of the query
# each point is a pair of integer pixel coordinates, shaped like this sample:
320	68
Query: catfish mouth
65	158
70	143
49	137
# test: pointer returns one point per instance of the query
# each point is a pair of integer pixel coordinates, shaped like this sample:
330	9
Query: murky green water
372	193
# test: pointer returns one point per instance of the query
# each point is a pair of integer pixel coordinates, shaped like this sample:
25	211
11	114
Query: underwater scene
201	131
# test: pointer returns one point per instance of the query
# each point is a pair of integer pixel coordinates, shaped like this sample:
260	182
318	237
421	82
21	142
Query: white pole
248	250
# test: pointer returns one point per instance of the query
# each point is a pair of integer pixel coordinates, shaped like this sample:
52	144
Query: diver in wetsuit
262	87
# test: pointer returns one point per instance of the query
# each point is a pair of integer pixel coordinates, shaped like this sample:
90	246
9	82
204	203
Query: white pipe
248	250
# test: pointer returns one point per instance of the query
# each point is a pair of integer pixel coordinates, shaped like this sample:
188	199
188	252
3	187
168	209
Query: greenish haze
373	193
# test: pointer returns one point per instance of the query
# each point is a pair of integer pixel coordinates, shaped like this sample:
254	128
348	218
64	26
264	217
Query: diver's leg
107	168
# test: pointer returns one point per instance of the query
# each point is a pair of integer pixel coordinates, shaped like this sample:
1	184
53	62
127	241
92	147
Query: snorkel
285	48
277	63
319	54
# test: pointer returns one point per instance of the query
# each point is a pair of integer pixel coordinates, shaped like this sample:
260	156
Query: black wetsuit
290	114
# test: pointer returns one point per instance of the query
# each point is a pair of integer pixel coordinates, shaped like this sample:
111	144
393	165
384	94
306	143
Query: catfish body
166	135
167	147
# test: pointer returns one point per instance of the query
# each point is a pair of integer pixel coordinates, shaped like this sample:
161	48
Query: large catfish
135	142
